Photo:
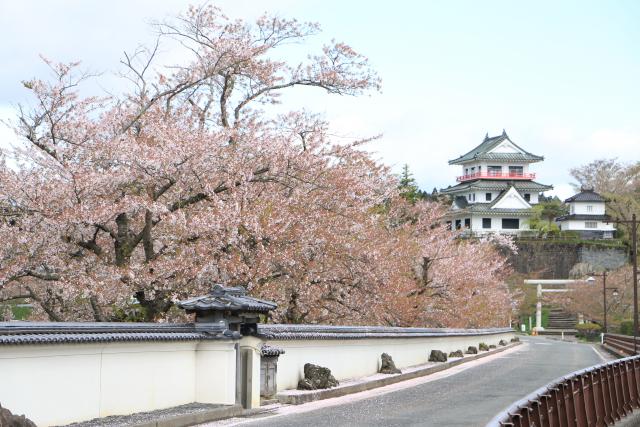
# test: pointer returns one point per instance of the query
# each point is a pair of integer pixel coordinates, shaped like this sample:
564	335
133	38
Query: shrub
626	327
567	234
588	330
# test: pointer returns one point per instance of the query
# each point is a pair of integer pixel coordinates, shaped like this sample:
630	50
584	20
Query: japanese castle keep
496	189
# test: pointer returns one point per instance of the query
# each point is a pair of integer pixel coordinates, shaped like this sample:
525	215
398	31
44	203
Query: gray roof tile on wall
328	332
93	332
227	299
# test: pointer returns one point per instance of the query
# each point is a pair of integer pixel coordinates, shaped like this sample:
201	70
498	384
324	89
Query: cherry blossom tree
145	198
587	298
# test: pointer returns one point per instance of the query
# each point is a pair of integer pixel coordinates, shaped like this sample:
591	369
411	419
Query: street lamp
634	255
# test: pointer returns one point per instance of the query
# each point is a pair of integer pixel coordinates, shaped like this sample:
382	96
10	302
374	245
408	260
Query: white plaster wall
496	224
358	358
215	373
597	208
481	196
579	226
64	383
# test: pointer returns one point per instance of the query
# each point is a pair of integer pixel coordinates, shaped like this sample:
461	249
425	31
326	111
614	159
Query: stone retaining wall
554	260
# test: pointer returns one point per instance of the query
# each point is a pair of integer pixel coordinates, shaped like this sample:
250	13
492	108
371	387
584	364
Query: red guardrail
596	396
496	175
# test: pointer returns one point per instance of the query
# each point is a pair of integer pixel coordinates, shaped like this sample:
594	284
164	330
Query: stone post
539	310
251	356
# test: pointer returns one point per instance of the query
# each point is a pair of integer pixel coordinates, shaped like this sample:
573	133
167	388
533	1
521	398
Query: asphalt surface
471	397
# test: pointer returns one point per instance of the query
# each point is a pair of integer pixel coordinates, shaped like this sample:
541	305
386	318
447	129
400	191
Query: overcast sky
560	76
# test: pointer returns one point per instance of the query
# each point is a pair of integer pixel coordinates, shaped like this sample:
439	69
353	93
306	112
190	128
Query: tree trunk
153	308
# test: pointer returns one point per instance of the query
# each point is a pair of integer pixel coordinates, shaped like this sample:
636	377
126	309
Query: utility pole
634	256
604	298
604	294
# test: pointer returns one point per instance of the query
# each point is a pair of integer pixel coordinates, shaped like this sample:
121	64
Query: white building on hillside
496	189
587	215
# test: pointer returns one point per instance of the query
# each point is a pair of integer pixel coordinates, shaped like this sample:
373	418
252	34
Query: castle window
516	170
494	170
486	222
527	197
510	223
467	223
591	224
487	197
589	208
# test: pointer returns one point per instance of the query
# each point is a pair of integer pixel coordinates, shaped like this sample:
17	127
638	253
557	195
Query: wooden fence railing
596	396
621	343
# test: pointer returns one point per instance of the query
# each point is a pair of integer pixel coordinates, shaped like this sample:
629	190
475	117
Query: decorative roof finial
486	136
504	132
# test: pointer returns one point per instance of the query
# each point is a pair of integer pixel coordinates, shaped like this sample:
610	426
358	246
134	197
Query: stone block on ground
457	353
515	339
472	350
483	347
492	346
316	377
388	366
437	356
502	343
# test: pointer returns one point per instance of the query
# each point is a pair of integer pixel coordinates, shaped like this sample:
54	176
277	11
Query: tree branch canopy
124	205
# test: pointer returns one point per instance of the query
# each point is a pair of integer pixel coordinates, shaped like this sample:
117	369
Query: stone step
551	331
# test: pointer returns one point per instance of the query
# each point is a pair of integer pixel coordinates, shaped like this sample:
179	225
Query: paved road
470	397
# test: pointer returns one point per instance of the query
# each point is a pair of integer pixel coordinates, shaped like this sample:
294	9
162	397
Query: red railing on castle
496	175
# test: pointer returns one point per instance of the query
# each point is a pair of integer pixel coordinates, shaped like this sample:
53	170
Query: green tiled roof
488	208
481	152
485	208
496	185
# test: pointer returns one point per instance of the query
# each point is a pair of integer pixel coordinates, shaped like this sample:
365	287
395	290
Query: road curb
194	417
314	395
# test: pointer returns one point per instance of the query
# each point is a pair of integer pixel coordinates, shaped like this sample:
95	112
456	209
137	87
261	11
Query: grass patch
545	317
21	312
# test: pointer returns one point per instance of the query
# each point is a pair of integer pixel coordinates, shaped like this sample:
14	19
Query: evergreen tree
408	186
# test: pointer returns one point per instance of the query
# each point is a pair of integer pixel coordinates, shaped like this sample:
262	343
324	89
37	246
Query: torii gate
539	283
